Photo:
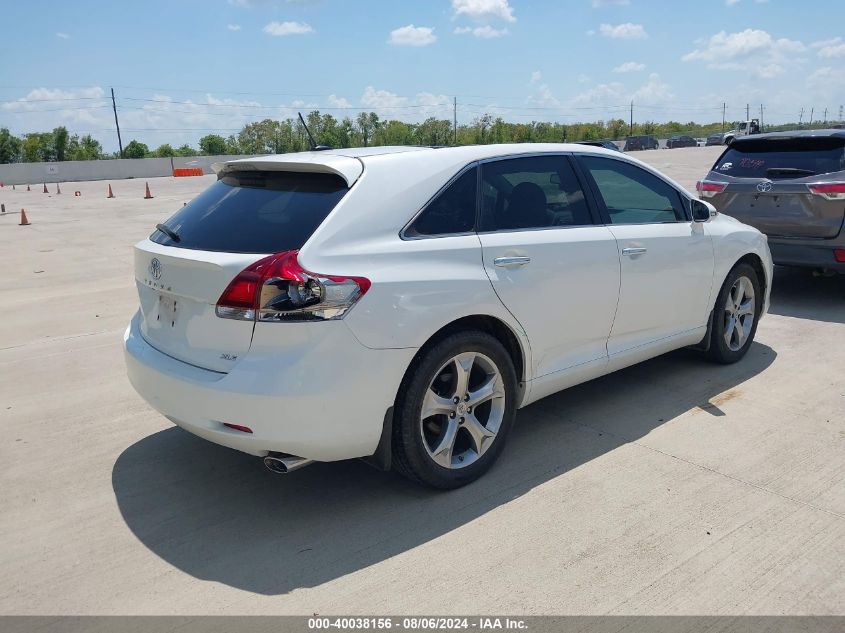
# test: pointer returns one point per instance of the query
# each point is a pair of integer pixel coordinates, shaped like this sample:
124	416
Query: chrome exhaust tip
282	464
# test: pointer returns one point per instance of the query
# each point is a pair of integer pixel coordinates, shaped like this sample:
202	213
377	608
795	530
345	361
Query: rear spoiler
348	168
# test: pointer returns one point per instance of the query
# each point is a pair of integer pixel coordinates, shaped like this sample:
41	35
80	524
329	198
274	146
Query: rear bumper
322	397
807	255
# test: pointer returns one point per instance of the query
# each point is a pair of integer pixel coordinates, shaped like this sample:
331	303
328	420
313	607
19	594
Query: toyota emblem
765	186
155	268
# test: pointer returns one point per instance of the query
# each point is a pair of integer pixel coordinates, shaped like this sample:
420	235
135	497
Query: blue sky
185	68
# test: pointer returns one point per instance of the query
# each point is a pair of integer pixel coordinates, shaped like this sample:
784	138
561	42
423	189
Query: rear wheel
735	315
454	410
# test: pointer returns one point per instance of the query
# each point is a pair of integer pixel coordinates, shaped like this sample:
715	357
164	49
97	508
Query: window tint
531	192
633	195
452	211
255	212
783	158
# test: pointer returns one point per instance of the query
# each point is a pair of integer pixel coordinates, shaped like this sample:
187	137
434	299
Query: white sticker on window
726	166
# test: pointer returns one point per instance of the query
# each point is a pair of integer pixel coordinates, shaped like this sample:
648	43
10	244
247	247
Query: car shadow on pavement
797	293
218	515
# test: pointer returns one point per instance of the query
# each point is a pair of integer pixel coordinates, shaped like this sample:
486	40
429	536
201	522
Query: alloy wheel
462	410
740	309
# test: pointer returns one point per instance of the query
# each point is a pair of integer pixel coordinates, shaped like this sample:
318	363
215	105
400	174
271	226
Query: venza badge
155	268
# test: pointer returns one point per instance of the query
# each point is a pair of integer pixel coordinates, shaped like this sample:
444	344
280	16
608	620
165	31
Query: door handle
508	262
634	251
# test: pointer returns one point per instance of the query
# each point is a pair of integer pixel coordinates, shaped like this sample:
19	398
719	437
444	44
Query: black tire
720	351
410	455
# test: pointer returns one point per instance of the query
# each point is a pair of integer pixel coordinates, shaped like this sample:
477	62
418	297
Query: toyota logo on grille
765	186
155	268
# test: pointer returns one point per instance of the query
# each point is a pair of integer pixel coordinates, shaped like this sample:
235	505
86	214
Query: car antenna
314	146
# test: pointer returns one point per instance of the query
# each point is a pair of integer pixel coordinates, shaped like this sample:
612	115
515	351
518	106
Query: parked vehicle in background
746	128
700	142
791	186
681	141
605	144
636	143
715	139
400	304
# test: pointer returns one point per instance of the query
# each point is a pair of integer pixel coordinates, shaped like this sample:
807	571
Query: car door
666	259
550	262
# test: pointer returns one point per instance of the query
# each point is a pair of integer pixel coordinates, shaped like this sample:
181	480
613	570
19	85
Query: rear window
783	158
255	212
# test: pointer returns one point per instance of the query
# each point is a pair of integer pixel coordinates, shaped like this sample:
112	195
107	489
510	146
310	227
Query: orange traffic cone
45	188
148	195
58	189
24	221
111	194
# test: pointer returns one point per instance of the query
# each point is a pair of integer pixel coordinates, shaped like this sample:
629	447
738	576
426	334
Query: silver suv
790	186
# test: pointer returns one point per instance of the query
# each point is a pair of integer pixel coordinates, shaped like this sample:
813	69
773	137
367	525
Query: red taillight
829	190
277	288
708	188
238	427
839	255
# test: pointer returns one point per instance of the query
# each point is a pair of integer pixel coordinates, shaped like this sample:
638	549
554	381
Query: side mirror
702	211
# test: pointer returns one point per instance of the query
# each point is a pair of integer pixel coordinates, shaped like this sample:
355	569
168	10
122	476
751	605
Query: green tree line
272	136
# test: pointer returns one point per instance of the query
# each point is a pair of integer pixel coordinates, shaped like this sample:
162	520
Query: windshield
783	157
254	212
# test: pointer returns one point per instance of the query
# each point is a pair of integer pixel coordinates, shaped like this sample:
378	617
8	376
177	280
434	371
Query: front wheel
454	410
735	315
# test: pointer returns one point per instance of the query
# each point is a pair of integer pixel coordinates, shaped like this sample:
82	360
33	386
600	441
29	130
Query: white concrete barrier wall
76	170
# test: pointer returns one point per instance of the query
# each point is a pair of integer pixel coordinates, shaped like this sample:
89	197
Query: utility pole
455	118
825	117
724	105
632	117
800	118
811	118
840	114
116	124
761	117
747	112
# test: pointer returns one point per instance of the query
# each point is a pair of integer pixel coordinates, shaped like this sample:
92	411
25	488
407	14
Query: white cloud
64	36
626	31
412	36
597	4
282	29
233	27
831	48
381	99
629	67
653	92
731	3
536	76
484	32
483	10
751	50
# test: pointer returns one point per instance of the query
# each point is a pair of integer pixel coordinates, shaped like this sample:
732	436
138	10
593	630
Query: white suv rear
400	304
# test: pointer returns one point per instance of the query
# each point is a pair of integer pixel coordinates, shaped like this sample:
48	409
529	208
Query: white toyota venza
401	303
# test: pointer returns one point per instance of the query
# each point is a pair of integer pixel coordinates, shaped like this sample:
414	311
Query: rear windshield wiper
790	171
173	235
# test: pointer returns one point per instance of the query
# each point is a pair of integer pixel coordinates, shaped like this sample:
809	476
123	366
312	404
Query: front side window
632	195
531	193
451	211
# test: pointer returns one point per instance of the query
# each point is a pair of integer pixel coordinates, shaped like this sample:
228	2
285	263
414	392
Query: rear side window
531	193
631	194
783	158
255	212
451	211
